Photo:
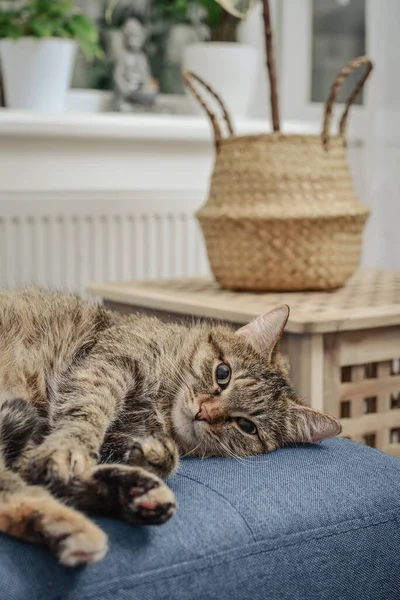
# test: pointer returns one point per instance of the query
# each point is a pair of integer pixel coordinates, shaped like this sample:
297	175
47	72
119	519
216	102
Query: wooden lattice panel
369	406
370	299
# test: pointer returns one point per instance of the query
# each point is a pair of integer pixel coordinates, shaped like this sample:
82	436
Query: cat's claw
48	463
158	454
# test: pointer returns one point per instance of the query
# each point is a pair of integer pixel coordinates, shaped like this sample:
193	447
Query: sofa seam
226	500
226	560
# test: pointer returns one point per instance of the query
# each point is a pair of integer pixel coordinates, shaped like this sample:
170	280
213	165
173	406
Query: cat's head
235	397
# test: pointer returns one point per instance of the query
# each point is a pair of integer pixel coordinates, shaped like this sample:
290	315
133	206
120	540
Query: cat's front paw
73	538
131	494
157	454
57	460
36	516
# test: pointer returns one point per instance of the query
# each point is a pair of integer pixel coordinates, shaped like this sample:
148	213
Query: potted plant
38	40
226	64
200	35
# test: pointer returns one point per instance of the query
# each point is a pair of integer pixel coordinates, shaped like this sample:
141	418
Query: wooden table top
370	299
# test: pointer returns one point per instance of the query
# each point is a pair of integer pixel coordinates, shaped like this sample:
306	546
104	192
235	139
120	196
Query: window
338	35
316	39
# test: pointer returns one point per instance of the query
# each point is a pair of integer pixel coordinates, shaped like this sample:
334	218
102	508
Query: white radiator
66	240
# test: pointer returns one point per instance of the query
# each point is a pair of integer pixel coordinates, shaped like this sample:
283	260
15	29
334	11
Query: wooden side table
343	347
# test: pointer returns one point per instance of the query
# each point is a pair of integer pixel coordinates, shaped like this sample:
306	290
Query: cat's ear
265	332
309	425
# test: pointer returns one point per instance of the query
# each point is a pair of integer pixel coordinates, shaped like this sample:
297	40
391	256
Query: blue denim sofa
309	522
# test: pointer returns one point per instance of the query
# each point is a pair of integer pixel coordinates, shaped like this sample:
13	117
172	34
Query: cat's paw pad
157	454
153	507
135	495
49	463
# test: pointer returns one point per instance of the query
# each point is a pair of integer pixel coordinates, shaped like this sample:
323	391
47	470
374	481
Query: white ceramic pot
230	68
37	72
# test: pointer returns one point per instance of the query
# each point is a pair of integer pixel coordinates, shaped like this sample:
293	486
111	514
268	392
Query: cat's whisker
175	375
248	461
193	450
228	450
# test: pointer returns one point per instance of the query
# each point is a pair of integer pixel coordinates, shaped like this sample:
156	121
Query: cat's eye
246	426
223	375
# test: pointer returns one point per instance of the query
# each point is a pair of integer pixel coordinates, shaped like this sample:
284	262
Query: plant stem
269	46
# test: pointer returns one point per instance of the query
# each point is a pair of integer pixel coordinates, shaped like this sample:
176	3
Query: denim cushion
308	522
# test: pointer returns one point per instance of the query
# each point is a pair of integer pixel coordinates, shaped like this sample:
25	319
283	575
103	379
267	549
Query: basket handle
188	78
342	75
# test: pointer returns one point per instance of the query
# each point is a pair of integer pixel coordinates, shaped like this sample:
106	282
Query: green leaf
55	8
82	27
215	12
180	6
41	26
90	49
11	32
11	25
48	18
61	31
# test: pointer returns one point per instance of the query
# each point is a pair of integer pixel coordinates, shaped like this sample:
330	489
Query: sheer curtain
382	147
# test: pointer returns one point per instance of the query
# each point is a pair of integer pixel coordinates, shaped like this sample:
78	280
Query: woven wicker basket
282	213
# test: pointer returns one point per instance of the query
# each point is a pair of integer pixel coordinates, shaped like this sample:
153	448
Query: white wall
382	167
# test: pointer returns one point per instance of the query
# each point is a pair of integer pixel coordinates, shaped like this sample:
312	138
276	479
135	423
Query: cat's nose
203	414
210	411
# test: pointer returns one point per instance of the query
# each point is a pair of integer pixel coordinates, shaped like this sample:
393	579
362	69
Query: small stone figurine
134	84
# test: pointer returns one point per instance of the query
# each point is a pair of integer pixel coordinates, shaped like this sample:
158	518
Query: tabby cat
96	407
